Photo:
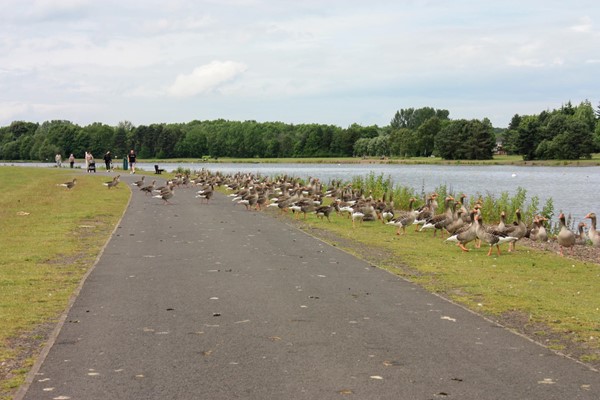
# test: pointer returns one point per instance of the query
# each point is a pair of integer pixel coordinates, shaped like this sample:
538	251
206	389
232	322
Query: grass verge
50	236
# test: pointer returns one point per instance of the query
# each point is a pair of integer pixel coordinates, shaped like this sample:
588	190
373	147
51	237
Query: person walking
58	160
131	157
87	160
91	163
71	160
108	161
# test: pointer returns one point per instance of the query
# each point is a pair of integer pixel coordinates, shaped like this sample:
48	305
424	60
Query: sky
335	62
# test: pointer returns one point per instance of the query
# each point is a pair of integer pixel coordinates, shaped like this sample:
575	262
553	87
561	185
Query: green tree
425	136
527	137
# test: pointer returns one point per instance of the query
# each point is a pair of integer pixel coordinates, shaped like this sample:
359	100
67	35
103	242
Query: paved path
197	301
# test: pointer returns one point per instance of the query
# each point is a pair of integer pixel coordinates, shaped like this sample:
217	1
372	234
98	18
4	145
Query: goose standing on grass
325	211
115	181
581	237
538	232
440	221
565	237
68	185
593	234
402	220
492	237
518	230
465	234
427	211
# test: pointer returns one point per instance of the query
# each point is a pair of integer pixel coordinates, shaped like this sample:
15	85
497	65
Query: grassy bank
50	236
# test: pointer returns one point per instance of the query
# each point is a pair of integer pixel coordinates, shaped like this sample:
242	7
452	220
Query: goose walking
166	194
492	237
68	185
113	183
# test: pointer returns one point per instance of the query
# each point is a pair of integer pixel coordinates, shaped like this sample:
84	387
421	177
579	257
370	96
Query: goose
166	194
205	193
406	218
148	189
426	211
518	230
381	206
565	237
538	232
580	236
492	237
139	183
593	234
114	182
457	220
325	211
465	234
68	185
249	199
303	206
440	221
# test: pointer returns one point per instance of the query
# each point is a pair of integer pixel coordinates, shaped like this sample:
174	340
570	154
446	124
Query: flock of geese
462	225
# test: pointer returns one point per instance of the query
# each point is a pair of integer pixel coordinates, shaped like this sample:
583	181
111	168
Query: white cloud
206	78
585	25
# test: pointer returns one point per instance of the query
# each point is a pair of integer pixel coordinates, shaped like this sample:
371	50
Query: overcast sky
332	62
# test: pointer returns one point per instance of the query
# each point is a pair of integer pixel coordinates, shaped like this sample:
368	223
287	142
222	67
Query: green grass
558	295
45	254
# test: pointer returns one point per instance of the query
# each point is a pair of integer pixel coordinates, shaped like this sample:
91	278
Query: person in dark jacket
131	157
108	160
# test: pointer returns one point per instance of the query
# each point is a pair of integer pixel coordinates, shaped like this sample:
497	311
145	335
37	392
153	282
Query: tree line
570	132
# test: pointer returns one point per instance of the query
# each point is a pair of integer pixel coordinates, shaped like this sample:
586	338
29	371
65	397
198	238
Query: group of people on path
90	163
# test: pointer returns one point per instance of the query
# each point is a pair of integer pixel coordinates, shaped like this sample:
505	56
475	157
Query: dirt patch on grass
25	348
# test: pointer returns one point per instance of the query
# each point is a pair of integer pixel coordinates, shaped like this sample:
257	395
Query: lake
574	190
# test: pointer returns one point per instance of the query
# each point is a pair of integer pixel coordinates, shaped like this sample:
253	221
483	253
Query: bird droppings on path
389	363
345	391
448	318
376	377
547	381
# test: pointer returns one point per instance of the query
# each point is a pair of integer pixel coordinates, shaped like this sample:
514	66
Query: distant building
498	149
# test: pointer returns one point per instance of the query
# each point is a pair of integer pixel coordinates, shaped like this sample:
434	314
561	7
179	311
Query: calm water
574	190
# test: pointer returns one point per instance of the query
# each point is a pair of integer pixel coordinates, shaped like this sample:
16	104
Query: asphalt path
211	301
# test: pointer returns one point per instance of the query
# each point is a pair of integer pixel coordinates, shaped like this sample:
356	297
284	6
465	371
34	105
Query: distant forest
570	132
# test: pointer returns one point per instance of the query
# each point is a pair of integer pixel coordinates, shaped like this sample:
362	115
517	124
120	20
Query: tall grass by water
492	205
